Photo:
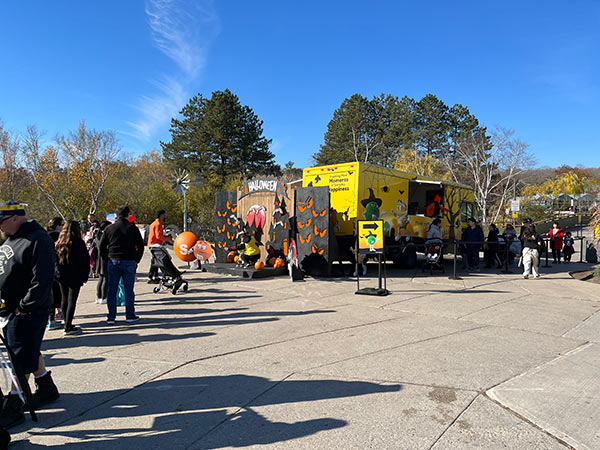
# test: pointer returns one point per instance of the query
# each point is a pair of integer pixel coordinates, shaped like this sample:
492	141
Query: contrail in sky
183	31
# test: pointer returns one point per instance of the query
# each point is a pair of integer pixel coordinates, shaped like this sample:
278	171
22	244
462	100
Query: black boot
12	411
46	391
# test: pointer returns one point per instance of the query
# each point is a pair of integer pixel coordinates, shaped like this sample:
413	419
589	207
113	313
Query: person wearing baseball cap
27	265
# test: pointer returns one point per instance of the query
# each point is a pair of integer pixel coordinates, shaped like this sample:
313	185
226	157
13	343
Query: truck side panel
342	180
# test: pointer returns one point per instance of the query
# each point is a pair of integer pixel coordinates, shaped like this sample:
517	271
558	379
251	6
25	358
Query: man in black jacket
27	264
123	247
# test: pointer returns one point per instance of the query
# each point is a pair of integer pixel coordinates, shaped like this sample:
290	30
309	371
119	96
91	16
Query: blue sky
131	65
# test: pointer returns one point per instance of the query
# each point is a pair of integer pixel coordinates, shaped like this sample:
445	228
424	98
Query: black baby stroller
433	256
170	276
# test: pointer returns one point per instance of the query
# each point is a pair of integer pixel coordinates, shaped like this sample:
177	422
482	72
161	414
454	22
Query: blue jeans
117	269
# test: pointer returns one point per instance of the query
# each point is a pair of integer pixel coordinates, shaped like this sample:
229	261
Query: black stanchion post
547	251
379	269
506	270
454	276
581	249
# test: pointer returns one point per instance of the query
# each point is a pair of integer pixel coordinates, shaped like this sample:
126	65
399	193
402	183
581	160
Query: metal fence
505	248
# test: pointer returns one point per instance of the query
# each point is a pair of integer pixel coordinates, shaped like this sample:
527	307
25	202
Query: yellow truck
407	203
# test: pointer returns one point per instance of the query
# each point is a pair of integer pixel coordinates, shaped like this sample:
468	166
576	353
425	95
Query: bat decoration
302	206
306	224
305	241
317	214
319	233
317	250
221	230
220	214
401	191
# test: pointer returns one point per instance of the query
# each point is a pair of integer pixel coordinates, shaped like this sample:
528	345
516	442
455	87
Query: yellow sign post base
370	241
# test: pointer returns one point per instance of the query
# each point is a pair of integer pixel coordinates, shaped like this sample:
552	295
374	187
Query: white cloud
156	110
183	32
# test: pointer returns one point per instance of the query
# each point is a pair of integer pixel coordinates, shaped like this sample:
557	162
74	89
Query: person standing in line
54	228
569	247
157	239
122	245
102	285
27	264
491	253
473	237
531	252
556	235
73	271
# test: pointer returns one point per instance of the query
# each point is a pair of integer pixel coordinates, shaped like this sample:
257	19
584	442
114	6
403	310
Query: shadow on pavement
201	413
100	335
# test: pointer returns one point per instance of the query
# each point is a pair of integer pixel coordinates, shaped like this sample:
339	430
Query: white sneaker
526	276
98	301
537	276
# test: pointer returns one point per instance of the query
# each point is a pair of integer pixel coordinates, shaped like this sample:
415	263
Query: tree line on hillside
220	141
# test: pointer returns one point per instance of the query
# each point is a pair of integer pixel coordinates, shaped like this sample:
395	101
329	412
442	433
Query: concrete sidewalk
489	361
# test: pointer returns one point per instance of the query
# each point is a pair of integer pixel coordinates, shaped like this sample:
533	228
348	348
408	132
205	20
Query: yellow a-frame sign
370	236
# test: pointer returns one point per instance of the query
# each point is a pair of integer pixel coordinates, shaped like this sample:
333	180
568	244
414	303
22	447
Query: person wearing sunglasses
27	264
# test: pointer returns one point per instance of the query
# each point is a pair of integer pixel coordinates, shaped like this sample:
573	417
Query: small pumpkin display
271	261
236	258
259	265
231	257
279	263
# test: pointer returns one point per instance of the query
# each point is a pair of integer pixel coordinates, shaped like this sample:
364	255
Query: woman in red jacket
556	235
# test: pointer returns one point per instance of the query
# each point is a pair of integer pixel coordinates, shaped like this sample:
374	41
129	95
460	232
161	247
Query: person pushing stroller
156	241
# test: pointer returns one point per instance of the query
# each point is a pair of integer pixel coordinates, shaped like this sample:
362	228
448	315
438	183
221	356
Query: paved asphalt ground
491	361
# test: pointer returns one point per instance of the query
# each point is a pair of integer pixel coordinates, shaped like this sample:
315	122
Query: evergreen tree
219	136
380	130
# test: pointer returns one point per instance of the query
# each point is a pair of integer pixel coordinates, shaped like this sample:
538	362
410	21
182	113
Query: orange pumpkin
259	265
271	261
236	258
279	263
231	257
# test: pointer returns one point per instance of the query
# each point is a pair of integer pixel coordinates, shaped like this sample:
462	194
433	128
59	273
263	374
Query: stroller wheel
185	287
156	289
174	291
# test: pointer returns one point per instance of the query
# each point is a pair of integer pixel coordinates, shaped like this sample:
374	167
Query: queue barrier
507	243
